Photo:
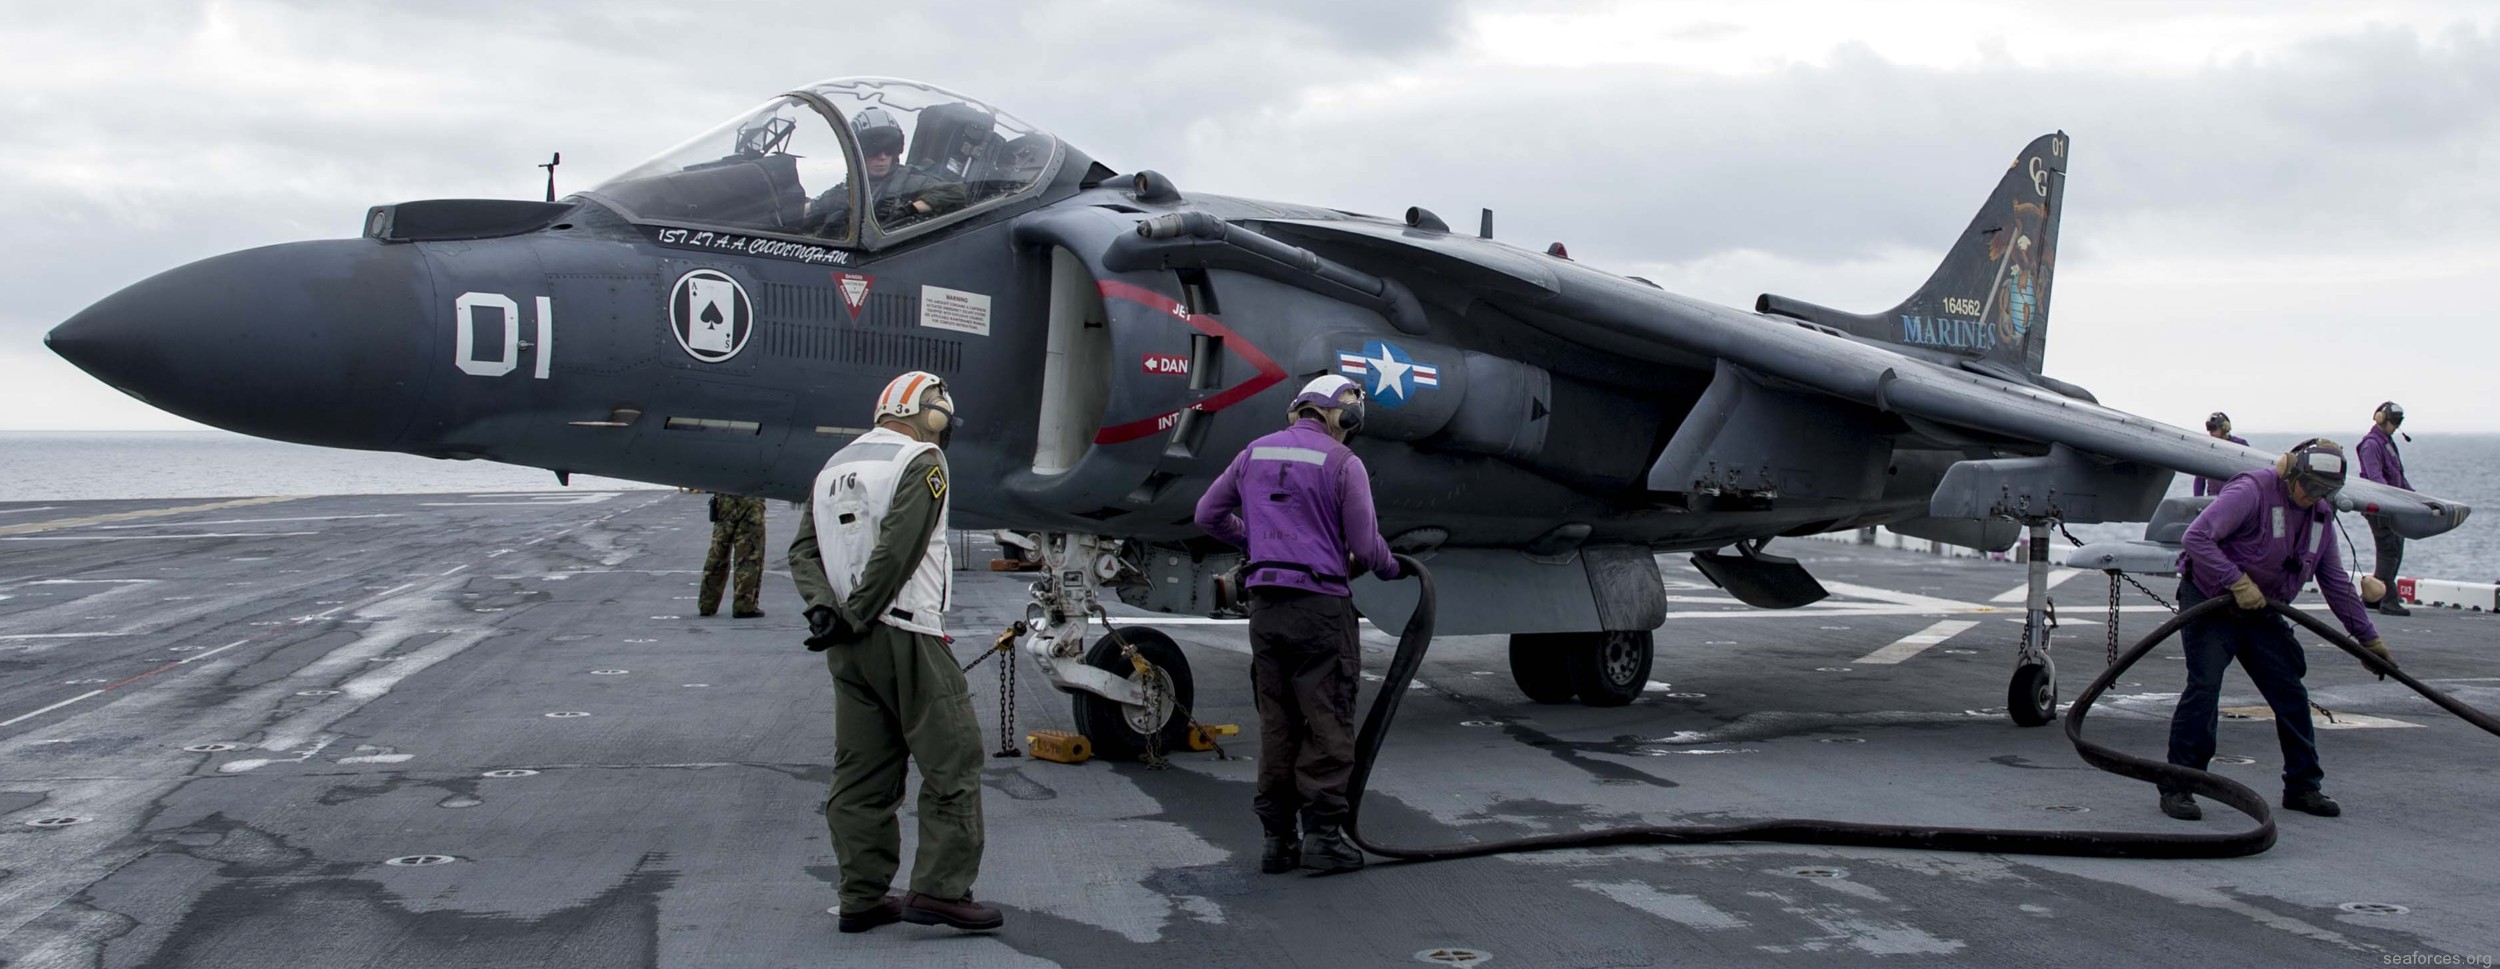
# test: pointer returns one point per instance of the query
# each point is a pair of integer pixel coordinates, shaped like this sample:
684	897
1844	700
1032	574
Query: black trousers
1305	661
2264	646
2391	554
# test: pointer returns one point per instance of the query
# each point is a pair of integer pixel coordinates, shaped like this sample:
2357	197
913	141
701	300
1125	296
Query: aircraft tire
1102	721
1540	663
1609	669
2031	696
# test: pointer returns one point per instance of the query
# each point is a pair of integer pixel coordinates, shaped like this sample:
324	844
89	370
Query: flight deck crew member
737	534
2217	424
1300	504
2380	462
872	561
2269	532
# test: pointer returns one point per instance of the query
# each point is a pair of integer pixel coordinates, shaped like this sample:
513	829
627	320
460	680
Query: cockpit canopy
853	161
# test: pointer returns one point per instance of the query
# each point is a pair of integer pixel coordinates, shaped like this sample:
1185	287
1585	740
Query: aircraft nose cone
313	342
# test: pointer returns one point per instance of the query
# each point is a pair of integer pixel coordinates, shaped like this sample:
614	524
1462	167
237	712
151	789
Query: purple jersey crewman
2381	462
2268	533
1299	503
2217	424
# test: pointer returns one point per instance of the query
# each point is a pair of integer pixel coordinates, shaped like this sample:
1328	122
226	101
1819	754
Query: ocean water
72	465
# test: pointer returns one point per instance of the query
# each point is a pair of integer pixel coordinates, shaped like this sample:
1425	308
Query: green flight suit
897	695
737	533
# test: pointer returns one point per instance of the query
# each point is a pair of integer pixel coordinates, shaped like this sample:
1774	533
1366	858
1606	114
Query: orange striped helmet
902	398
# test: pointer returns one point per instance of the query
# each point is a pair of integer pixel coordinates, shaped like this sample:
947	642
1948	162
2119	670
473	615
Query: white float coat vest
853	494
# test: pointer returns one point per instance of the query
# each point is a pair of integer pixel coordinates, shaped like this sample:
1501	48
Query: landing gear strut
1131	691
2031	696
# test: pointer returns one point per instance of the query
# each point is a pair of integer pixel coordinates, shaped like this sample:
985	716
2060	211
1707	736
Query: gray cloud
135	137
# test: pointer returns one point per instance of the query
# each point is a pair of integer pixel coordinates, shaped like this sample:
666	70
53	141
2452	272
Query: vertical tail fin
1989	299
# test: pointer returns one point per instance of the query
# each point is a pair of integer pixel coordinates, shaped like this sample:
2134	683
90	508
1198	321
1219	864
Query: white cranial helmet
902	397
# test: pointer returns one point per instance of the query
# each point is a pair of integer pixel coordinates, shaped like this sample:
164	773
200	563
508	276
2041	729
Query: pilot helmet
878	132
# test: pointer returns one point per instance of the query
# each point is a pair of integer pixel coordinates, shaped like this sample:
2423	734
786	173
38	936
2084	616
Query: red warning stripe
1269	374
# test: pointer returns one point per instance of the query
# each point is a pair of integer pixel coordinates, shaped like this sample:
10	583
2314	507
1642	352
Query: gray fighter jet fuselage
723	316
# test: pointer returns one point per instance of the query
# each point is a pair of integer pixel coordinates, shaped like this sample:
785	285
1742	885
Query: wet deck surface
370	659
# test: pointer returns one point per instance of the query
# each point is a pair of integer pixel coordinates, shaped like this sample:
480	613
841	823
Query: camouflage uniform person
737	533
877	580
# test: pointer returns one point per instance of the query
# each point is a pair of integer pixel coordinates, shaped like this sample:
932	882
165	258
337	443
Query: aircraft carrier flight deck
491	730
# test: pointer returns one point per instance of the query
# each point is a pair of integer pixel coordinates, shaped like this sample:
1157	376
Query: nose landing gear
1130	692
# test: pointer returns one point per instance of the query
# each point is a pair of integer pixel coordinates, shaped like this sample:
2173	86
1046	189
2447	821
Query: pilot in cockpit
899	194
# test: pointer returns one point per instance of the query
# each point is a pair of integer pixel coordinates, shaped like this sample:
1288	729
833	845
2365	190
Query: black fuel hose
1417	639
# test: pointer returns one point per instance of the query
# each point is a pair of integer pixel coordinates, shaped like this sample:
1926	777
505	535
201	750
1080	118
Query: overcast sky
2282	209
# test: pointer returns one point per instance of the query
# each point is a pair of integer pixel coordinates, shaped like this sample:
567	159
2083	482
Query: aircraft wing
1621	316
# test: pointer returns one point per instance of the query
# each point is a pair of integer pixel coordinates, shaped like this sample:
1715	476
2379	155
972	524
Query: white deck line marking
185	661
13	721
2017	593
17	511
2342	720
252	521
196	657
147	538
31	527
1896	597
57	635
1910	645
456	568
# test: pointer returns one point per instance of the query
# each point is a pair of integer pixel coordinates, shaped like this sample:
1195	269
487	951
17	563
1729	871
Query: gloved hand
2378	648
2372	590
2244	593
893	209
826	628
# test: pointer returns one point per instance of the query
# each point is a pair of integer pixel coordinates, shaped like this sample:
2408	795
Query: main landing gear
1602	669
2031	696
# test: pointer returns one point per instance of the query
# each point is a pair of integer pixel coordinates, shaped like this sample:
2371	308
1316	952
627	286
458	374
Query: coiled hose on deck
1417	639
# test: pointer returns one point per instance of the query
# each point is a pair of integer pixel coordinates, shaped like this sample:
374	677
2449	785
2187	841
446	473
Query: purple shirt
2380	462
2213	486
1309	505
2252	528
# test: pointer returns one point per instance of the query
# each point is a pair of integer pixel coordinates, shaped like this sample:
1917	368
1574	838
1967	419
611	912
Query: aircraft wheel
1540	664
1609	669
2031	698
1119	731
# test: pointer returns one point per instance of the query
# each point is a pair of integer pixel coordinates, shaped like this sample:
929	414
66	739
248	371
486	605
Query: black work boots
2181	805
2312	802
1282	853
1325	851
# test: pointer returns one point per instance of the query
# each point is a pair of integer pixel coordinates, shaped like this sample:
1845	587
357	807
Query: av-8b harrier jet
721	317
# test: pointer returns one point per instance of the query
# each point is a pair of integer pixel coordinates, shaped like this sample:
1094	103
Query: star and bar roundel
1389	376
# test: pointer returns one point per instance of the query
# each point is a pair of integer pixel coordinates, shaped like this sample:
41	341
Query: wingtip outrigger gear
1417	638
